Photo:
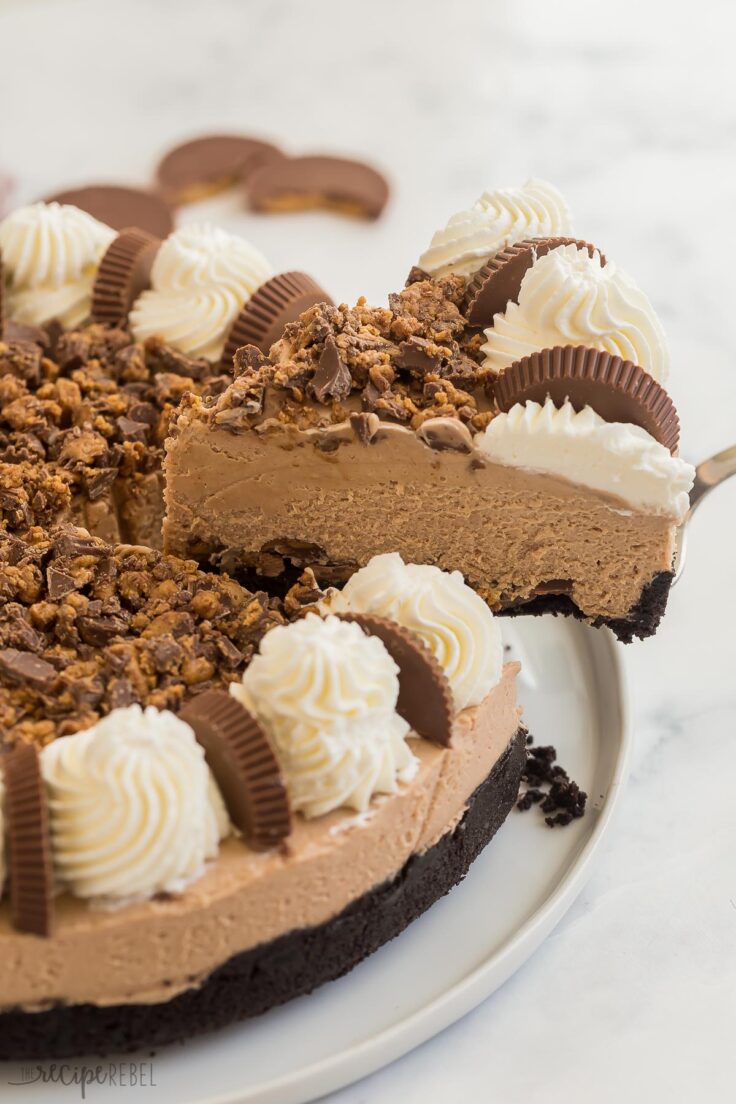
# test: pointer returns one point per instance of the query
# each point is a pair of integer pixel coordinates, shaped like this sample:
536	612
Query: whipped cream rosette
497	219
201	278
568	297
446	614
326	693
134	809
50	255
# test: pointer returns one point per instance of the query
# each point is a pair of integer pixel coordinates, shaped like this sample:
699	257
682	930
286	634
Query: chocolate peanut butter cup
241	758
276	303
616	389
210	164
335	183
497	283
124	272
119	206
29	844
425	698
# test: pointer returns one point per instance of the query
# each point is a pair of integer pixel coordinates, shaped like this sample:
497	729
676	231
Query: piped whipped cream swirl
616	458
569	298
326	694
201	278
498	219
50	254
134	808
453	621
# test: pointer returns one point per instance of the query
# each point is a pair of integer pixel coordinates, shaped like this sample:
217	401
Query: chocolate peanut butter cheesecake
533	448
180	859
232	768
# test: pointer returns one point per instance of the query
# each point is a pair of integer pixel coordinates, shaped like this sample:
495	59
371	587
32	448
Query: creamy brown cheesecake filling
152	951
512	533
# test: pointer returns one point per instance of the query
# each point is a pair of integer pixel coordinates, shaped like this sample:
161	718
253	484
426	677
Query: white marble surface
631	109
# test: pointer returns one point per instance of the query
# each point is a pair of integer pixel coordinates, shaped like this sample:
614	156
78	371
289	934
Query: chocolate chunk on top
25	667
332	378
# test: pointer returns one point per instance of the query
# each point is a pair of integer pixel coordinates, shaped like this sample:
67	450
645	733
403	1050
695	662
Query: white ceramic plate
459	952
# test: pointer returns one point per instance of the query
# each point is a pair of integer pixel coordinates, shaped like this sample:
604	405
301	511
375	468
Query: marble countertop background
630	108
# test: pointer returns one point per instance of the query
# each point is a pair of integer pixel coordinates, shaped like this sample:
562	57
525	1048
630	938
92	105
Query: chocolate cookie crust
292	965
641	622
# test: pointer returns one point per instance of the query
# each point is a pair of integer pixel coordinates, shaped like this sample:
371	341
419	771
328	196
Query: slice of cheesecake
373	430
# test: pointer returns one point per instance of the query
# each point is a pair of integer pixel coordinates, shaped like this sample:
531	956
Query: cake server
709	473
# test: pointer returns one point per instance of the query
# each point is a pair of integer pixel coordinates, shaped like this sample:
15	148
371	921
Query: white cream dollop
453	621
201	278
498	219
614	457
569	298
133	806
326	694
50	254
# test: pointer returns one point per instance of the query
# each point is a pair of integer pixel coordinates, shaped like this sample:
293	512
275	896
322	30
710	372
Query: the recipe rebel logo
116	1075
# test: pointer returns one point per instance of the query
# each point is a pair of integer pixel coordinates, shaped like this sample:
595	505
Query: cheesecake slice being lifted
538	456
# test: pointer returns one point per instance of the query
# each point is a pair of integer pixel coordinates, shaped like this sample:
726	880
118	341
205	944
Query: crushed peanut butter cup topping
83	419
405	363
86	627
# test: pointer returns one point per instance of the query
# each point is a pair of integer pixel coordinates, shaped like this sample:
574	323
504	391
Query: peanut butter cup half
29	843
497	283
207	165
241	758
616	389
119	207
277	302
334	183
124	272
425	698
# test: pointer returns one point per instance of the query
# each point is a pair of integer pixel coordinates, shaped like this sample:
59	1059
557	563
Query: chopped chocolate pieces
332	378
546	784
403	364
25	667
132	430
86	628
419	354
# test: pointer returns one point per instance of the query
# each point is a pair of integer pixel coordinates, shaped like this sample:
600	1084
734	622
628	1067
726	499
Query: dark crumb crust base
288	967
642	621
